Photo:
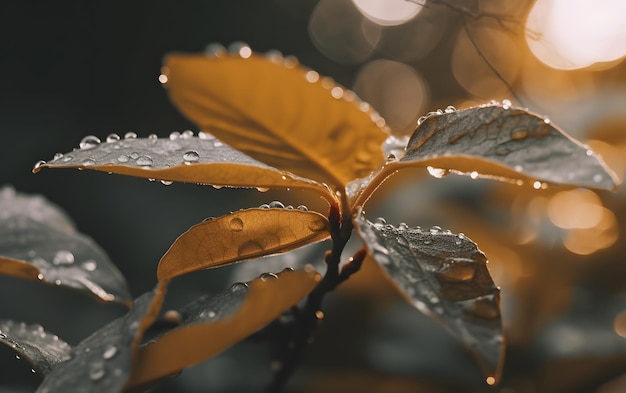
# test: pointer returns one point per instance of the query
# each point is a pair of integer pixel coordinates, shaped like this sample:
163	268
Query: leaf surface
180	158
245	234
42	349
54	253
279	113
445	277
212	324
102	362
499	142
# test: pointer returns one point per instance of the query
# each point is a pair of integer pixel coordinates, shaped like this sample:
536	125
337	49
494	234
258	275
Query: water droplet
40	276
217	143
457	270
437	173
67	158
241	49
167	182
38	165
268	276
302	208
63	257
144	160
290	61
450	109
57	282
276	205
597	178
485	307
380	221
97	371
490	380
262	189
518	168
187	134
518	135
210	314
403	226
317	225
130	135
506	104
236	224
474	175
205	136
88	162
112	138
89	142
57	156
109	352
537	184
364	106
153	137
134	155
191	156
589	152
336	92
275	56
174	135
391	158
215	50
402	241
312	76
546	120
249	247
238	286
89	265
427	241
17	357
264	206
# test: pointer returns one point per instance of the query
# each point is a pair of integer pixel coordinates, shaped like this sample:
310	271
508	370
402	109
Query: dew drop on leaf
110	352
249	247
97	371
236	224
518	135
167	182
457	270
89	142
264	206
268	276
153	137
63	257
89	265
276	205
130	135
89	162
144	160
174	135
303	208
57	156
238	286
112	138
123	158
187	134
38	164
191	156
506	104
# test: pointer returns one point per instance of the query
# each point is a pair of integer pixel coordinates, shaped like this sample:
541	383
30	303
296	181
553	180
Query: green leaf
493	141
213	324
245	234
301	122
42	349
179	158
444	276
102	362
38	244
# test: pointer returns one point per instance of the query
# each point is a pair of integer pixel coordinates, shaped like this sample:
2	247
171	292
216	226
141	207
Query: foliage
323	140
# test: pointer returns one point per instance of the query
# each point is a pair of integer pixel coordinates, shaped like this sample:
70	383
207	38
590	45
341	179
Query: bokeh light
572	34
396	90
620	324
341	32
388	12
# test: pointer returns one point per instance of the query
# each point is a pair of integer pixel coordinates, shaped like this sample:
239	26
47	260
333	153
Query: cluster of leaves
275	124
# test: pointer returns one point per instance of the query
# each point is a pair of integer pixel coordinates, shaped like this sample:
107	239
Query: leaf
245	234
445	277
54	253
103	361
40	348
499	142
180	158
212	324
279	113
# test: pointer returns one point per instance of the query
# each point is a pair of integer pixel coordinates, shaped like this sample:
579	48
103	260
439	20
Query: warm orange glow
576	209
620	324
396	90
163	78
572	34
588	241
388	12
490	380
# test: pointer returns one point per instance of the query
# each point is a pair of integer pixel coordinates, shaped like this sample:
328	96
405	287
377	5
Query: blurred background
73	68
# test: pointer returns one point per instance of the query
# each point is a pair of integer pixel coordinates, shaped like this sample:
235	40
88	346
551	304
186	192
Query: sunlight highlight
388	12
573	34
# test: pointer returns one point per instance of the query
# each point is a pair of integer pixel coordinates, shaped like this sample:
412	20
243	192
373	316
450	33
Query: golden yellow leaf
240	235
16	268
280	114
265	300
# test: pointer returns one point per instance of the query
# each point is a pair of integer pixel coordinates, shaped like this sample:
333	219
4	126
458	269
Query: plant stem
307	317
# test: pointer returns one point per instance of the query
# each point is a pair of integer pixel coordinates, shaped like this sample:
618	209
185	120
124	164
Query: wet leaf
212	324
192	159
445	276
103	361
245	234
498	142
42	349
300	123
55	253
